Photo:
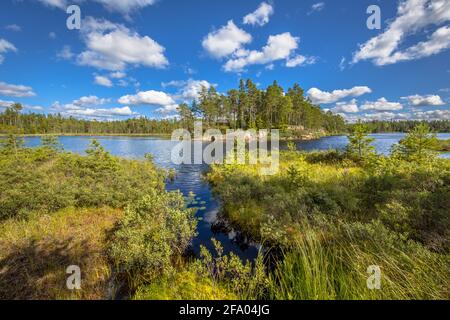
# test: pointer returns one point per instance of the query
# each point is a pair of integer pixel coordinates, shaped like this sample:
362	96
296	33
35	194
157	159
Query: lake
189	178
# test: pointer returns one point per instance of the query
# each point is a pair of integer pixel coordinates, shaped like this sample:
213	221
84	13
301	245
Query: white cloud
168	109
7	104
6	46
226	40
193	88
103	81
65	53
300	60
318	96
125	7
12	90
188	90
412	16
84	108
342	64
90	101
150	97
118	75
433	115
113	46
61	4
52	35
13	27
260	16
346	107
381	105
427	100
316	7
278	47
98	113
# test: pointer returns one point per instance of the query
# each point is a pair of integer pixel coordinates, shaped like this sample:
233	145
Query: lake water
189	178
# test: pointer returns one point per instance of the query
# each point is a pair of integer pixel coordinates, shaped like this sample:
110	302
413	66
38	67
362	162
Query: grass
315	269
331	218
184	285
35	253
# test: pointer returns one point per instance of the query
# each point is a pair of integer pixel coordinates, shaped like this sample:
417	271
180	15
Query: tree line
246	107
249	107
406	125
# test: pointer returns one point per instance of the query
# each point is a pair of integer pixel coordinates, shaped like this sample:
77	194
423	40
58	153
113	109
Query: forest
244	108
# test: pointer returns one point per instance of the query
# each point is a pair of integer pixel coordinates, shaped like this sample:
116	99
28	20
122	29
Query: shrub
153	231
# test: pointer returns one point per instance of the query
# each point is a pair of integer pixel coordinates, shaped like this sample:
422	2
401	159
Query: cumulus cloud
346	107
103	81
150	97
5	46
318	96
98	113
279	47
427	100
300	60
381	105
12	90
226	40
168	109
7	104
260	16
412	17
433	115
188	90
113	46
90	101
85	108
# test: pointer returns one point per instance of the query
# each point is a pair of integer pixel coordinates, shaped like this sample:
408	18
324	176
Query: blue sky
143	57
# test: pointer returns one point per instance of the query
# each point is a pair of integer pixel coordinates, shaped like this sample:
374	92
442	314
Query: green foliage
251	108
153	231
52	142
442	145
183	285
417	145
332	217
12	143
229	272
291	146
331	264
359	143
406	125
40	179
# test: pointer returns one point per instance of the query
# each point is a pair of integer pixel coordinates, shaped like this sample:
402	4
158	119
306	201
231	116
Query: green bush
153	231
42	179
